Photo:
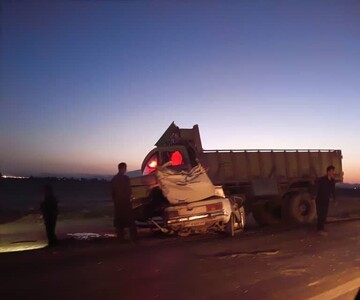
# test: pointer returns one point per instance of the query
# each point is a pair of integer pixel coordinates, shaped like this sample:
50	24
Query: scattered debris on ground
90	235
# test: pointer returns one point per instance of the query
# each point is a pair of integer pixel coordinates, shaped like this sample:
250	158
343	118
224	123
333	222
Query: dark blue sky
86	84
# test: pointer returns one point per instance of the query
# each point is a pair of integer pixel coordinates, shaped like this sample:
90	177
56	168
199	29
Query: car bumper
211	216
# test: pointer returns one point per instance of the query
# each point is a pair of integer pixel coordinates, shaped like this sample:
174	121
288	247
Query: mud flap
163	229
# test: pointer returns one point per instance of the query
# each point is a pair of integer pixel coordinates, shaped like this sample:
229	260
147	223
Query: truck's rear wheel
265	214
299	208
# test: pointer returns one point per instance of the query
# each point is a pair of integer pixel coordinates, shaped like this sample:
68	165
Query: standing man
121	195
326	188
49	210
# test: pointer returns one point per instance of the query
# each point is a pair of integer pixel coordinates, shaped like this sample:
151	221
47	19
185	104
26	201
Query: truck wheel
300	208
230	226
264	215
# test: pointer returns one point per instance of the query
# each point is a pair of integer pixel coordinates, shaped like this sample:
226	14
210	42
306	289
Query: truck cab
181	152
177	155
147	197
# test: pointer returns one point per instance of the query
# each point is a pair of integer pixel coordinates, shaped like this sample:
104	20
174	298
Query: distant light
16	177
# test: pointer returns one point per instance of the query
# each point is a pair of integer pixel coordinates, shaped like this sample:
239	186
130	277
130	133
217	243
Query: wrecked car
184	202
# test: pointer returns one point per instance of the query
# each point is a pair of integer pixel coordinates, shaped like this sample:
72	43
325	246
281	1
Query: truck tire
299	208
264	214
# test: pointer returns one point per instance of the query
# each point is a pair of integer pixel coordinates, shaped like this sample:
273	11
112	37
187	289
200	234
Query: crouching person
121	196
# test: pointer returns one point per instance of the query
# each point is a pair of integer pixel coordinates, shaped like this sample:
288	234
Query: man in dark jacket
121	195
326	189
49	209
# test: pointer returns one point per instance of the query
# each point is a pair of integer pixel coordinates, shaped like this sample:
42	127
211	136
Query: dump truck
276	185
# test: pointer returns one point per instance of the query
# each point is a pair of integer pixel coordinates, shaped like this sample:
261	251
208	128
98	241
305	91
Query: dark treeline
26	194
67	179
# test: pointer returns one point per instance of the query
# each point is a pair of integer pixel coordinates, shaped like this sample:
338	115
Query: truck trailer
275	185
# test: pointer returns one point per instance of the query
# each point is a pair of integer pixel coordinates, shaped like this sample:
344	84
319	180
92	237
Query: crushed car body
187	202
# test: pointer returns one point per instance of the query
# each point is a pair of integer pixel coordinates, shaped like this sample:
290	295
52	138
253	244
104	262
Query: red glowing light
152	164
176	158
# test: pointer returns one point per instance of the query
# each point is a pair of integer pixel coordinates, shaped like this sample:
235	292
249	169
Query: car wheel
241	222
230	226
184	232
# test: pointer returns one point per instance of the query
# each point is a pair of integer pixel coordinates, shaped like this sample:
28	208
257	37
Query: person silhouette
121	196
326	189
49	210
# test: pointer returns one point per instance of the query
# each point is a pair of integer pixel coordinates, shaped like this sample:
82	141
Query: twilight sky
87	84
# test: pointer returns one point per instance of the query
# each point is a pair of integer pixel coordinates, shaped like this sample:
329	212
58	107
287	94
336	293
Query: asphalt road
267	263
